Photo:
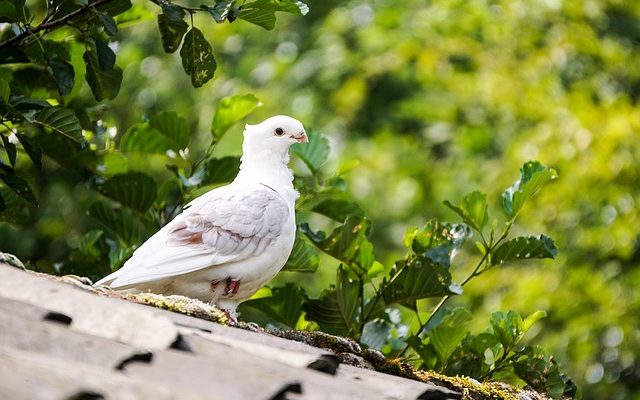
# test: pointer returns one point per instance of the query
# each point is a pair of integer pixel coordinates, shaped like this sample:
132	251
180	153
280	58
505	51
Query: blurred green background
433	99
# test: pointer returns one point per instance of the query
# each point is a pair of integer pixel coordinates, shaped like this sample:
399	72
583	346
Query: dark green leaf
10	149
133	189
197	57
106	56
284	305
104	84
507	327
419	279
60	120
533	175
174	127
115	7
17	211
220	170
174	12
17	184
3	205
32	148
123	222
524	248
304	256
171	32
5	91
141	137
542	373
315	153
336	310
221	10
375	334
448	335
473	209
345	240
231	110
108	23
63	73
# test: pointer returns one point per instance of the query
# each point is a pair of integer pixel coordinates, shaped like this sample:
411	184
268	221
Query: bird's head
273	136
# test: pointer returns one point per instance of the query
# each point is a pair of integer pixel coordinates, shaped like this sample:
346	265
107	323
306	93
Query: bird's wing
220	227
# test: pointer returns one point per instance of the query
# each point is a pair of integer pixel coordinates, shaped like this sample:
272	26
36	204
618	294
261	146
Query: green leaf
304	256
60	120
262	12
507	327
17	210
542	373
141	137
284	305
108	23
104	84
174	12
3	205
115	7
220	170
375	334
32	148
106	56
231	110
221	10
336	310
315	153
17	184
197	58
174	127
524	248
448	335
62	71
5	91
133	189
419	279
123	222
345	240
338	208
10	149
533	175
171	32
438	241
532	319
473	209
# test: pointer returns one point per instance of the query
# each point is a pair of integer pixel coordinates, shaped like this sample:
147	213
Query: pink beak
301	137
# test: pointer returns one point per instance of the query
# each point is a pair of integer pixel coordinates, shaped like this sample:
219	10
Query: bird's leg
231	287
214	285
232	317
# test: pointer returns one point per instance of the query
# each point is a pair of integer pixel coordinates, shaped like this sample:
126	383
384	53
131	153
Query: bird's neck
263	166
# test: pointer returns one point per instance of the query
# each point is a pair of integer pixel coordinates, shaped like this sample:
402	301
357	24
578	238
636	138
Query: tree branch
46	25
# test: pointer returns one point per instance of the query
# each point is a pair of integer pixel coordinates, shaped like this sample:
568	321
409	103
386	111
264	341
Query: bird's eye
279	131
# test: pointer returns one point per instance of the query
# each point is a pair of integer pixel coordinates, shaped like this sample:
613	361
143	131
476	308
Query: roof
70	341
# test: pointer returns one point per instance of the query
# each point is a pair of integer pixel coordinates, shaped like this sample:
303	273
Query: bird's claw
231	286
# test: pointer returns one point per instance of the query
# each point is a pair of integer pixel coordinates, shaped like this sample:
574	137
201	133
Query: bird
229	242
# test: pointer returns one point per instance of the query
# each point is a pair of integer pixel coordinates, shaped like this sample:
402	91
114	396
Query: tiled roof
58	341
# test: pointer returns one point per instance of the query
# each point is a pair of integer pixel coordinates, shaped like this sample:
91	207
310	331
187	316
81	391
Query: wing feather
219	227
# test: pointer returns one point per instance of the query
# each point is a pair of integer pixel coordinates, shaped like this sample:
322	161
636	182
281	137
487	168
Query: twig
46	25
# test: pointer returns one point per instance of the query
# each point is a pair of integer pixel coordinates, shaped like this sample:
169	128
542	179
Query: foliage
421	101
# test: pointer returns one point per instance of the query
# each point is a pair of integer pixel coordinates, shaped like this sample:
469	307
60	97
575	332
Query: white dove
232	240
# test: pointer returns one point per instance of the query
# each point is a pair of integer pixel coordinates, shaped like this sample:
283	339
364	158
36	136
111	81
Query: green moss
180	304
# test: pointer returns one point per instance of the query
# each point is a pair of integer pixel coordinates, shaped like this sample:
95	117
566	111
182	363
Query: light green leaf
532	319
133	189
197	57
174	127
533	175
304	256
525	248
507	327
231	110
141	137
448	335
60	120
315	153
262	12
171	32
473	209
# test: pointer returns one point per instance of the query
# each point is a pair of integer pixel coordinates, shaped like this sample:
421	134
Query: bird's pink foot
232	318
231	287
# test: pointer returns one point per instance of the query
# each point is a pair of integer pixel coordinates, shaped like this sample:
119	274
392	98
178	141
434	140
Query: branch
46	25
